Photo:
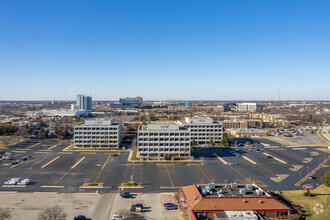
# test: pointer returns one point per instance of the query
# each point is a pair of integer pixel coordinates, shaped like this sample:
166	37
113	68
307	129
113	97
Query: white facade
98	133
157	140
204	129
248	107
57	112
83	103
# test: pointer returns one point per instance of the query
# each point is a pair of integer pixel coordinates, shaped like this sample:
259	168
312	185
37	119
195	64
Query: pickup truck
24	182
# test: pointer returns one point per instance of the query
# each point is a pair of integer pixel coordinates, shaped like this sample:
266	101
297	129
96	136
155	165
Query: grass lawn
322	197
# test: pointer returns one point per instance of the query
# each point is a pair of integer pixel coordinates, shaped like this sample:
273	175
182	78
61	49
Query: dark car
171	207
165	204
15	162
311	177
126	195
137	208
270	157
115	155
80	217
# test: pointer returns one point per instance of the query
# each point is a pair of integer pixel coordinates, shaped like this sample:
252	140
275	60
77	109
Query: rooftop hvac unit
249	186
242	191
233	185
259	192
207	188
203	192
220	191
212	185
221	195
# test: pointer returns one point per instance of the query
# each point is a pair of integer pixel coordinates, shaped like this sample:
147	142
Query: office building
249	107
98	133
230	201
83	103
155	140
131	102
248	123
246	132
204	129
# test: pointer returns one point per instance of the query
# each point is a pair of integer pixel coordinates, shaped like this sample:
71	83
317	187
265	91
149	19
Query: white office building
83	103
204	129
155	140
248	107
98	133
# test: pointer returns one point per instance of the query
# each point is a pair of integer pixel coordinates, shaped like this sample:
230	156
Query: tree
225	141
193	143
167	157
152	117
326	179
4	214
211	142
52	213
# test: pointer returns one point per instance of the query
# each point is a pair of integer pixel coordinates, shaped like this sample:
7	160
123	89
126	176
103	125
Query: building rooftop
162	126
230	190
231	200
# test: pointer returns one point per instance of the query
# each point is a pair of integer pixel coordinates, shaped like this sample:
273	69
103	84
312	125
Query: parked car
15	162
165	204
232	164
171	207
270	157
126	195
311	177
12	181
8	153
117	217
80	217
24	182
137	208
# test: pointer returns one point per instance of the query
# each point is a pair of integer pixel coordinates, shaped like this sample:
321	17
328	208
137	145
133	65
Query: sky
165	49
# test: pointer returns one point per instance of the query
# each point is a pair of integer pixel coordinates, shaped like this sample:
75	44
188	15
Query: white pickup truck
13	181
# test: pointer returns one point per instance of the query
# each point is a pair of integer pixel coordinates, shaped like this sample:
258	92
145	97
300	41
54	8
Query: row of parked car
288	132
17	181
22	159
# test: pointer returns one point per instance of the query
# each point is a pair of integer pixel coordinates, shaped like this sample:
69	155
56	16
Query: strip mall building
230	201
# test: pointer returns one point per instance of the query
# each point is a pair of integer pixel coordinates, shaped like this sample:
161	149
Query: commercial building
57	112
155	140
226	201
248	107
83	103
98	133
204	129
249	123
246	132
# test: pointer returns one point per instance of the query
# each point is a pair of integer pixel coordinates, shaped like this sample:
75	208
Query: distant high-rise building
83	103
248	107
131	102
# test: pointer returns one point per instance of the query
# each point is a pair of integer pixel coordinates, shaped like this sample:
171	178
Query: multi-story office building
131	102
248	107
204	129
98	133
155	140
83	103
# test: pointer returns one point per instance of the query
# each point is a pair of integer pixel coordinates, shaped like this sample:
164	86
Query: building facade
204	129
83	103
155	140
98	133
248	107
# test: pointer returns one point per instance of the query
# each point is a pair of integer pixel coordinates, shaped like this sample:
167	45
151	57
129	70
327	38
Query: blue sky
164	49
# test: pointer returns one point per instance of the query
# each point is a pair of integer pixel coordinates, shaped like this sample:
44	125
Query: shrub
305	193
326	179
167	157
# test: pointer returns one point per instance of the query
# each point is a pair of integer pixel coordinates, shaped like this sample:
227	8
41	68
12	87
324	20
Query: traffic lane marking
102	168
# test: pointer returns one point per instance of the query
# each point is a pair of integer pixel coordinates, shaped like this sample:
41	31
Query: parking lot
53	170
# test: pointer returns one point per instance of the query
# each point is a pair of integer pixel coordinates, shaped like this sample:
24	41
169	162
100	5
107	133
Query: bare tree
52	213
4	214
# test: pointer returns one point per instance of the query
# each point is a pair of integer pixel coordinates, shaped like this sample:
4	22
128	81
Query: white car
8	153
24	182
12	181
117	217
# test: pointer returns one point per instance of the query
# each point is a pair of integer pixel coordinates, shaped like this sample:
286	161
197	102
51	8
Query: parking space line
169	176
50	162
52	147
76	164
275	158
248	159
204	174
219	158
34	145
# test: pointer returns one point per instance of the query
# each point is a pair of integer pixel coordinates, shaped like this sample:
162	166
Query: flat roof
245	130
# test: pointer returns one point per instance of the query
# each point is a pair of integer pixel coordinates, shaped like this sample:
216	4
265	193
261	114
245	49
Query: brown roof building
213	200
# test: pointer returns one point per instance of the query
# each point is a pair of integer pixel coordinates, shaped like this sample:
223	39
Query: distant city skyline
165	50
